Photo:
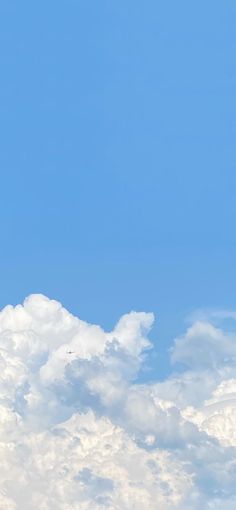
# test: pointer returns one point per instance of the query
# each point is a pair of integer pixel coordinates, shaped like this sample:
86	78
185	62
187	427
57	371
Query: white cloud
204	345
77	431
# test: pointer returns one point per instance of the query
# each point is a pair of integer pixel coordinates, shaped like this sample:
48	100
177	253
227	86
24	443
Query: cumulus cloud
78	432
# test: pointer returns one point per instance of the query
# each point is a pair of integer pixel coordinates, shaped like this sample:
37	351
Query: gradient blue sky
117	154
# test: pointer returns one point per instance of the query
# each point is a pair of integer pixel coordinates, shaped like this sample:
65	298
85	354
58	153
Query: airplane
70	352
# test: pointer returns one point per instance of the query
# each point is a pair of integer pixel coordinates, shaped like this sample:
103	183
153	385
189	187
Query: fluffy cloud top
77	431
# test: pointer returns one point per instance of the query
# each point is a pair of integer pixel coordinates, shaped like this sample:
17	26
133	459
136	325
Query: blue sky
117	158
117	154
